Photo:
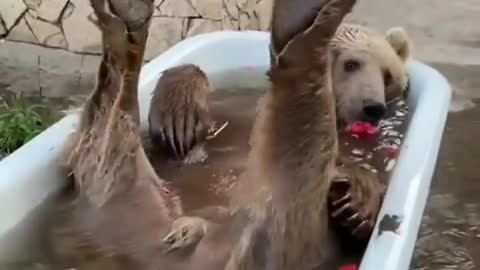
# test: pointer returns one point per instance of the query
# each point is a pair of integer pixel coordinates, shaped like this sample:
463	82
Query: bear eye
387	78
351	65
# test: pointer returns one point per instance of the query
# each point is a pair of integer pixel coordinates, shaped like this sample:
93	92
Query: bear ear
400	41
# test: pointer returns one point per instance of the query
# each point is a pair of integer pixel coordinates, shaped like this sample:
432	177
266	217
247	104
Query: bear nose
374	110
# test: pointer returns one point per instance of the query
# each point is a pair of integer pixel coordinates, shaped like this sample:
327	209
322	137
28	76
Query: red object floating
348	267
392	153
361	129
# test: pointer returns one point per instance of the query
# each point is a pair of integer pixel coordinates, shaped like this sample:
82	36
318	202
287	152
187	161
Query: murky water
202	184
227	152
31	255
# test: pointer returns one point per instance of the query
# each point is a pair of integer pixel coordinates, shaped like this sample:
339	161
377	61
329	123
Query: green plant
19	124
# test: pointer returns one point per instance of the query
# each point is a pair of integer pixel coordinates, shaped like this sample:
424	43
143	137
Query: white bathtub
30	175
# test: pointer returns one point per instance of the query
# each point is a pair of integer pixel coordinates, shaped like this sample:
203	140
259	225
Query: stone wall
67	24
51	47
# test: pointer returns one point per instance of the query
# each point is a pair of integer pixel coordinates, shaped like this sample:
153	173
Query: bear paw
185	232
354	201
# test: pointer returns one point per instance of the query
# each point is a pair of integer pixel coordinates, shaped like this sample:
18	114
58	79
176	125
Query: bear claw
185	232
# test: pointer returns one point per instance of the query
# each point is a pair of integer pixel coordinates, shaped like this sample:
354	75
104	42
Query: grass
20	123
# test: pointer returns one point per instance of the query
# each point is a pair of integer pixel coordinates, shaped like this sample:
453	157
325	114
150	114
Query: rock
177	8
246	4
21	32
164	33
264	14
49	10
11	11
156	4
33	4
247	19
199	26
80	33
231	8
3	31
230	15
241	3
228	23
247	22
68	11
208	9
46	33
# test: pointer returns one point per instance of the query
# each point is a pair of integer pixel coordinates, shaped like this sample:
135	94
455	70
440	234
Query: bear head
368	71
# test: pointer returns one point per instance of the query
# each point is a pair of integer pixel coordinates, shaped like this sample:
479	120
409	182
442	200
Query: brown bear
370	82
179	110
368	71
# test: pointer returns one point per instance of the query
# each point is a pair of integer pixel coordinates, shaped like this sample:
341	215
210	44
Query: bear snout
373	111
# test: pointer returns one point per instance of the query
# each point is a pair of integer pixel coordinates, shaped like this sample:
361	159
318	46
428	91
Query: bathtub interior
245	56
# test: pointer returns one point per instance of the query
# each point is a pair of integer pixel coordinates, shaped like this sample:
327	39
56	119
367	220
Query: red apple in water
348	267
360	129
